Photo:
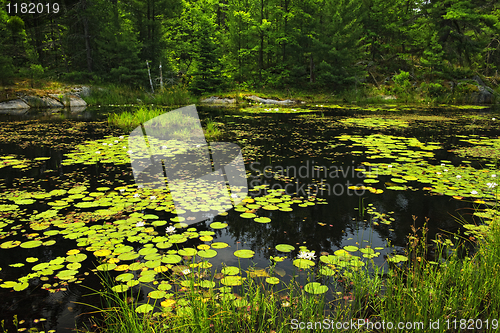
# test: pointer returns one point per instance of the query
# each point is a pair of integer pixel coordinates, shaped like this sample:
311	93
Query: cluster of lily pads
20	163
481	147
410	164
276	110
375	122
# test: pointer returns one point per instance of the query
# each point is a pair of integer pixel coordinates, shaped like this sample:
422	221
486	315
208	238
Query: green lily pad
10	244
248	215
218	225
262	219
351	248
171	259
284	248
303	263
244	253
106	267
66	274
128	256
272	280
145	308
120	288
219	245
157	294
207	284
31	244
124	277
188	252
207	253
76	257
20	286
232	280
315	288
230	270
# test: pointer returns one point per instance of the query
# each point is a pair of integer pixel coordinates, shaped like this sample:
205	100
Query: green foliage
432	89
402	85
213	45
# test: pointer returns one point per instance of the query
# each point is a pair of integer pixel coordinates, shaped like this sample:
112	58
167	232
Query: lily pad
31	244
207	253
145	308
230	270
218	225
244	253
232	280
315	288
285	248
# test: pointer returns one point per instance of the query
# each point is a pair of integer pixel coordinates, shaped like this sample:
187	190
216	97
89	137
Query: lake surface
334	176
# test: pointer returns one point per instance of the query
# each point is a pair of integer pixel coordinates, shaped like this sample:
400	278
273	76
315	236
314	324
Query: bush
402	85
432	89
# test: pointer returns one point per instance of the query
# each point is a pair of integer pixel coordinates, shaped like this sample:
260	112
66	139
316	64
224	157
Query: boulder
42	102
82	91
14	104
73	101
269	101
484	95
476	90
218	100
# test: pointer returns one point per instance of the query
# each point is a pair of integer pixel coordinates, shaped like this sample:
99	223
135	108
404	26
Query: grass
128	121
444	285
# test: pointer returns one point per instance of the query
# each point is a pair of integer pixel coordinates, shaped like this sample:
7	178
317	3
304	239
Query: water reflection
285	140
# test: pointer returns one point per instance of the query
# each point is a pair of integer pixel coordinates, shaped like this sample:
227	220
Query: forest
216	45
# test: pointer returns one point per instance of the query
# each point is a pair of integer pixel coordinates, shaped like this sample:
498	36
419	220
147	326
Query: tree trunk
87	37
311	69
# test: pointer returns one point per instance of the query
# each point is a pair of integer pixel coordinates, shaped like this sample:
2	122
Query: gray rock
42	102
14	104
73	101
83	91
217	100
269	101
484	95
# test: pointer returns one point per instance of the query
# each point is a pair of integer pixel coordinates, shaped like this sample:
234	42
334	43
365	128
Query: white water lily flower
491	185
170	230
306	255
152	197
163	147
311	256
234	196
136	195
389	166
98	152
442	164
116	141
493	176
186	271
302	255
445	170
493	118
122	190
121	136
438	173
139	224
458	176
473	192
130	151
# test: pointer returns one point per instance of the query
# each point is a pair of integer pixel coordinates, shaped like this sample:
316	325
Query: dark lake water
308	144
